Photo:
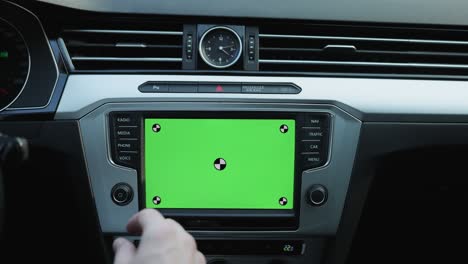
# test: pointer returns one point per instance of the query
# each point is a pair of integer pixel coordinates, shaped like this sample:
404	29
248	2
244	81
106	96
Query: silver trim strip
125	59
434	98
358	63
65	54
133	32
53	58
422	41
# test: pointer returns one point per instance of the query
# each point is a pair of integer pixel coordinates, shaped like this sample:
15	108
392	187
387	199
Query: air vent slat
124	49
126	59
124	32
341	49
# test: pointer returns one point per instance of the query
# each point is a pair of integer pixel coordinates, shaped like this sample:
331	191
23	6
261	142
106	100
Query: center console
253	181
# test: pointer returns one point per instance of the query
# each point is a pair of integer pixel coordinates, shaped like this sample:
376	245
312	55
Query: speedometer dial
220	47
14	64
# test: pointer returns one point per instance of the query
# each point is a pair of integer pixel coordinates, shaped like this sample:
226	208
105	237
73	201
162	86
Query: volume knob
317	195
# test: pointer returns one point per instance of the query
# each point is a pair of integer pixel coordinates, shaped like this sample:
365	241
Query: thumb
124	251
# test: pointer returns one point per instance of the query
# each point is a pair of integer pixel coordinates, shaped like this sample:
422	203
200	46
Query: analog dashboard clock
220	47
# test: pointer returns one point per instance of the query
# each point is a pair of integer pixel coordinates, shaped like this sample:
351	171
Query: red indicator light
219	88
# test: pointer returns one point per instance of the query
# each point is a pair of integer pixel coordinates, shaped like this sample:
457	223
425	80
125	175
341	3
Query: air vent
371	50
100	49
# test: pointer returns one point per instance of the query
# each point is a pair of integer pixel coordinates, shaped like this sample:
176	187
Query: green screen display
219	163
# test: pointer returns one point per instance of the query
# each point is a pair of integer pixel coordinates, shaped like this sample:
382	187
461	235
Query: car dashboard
274	132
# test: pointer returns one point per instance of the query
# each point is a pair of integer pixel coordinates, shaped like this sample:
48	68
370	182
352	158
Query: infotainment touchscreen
219	163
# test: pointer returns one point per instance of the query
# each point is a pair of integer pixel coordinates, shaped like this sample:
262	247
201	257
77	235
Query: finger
124	251
200	258
162	234
143	220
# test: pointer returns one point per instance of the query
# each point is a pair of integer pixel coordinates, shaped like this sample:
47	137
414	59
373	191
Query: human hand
163	241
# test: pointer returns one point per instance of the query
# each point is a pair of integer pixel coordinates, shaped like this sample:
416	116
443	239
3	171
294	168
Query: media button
127	132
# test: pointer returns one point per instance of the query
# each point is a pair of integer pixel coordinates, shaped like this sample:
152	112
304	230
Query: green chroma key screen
219	163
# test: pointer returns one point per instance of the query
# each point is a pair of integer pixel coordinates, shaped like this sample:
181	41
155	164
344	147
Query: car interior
274	132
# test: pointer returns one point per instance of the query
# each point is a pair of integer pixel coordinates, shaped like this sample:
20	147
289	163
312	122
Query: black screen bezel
229	219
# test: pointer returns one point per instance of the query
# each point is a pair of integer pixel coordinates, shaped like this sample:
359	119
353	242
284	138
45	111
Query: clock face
220	47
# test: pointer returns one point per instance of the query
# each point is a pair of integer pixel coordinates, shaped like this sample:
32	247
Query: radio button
125	120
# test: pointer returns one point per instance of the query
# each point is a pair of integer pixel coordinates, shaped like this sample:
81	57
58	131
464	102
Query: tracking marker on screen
156	128
284	129
220	164
283	201
157	200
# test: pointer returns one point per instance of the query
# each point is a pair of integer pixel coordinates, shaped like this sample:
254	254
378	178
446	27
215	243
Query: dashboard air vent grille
124	49
372	50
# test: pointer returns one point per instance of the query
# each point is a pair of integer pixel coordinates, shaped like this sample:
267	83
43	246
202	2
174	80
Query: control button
312	133
122	194
127	158
153	87
312	159
183	88
270	89
127	145
311	145
189	47
126	132
219	88
316	121
251	48
317	195
125	120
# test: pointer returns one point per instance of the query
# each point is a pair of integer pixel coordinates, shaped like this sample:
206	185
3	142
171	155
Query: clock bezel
203	54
